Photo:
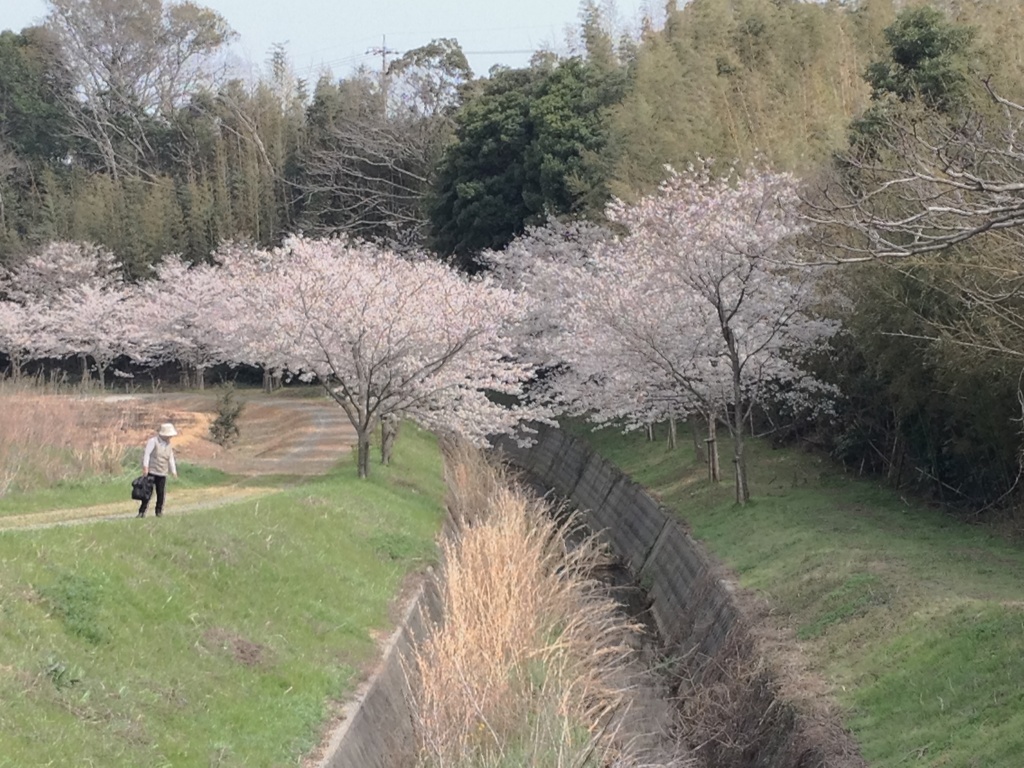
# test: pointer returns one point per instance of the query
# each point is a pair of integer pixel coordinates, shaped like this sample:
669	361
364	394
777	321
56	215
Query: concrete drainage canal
705	696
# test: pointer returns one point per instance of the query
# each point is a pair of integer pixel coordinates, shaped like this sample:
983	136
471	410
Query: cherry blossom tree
386	336
23	334
716	257
575	328
72	304
94	322
697	309
647	338
59	266
182	311
542	265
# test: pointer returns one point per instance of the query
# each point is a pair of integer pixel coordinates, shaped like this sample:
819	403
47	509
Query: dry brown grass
533	665
47	437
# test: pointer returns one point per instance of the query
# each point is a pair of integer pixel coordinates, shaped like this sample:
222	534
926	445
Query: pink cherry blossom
182	316
696	309
385	335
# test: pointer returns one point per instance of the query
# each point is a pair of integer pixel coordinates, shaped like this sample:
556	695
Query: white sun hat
167	430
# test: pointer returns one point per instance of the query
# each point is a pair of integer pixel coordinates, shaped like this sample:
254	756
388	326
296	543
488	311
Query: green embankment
915	618
216	637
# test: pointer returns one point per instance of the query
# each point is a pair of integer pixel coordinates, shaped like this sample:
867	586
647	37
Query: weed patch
532	664
47	438
853	597
245	652
62	674
76	599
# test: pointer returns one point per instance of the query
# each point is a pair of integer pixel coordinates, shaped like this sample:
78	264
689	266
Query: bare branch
925	183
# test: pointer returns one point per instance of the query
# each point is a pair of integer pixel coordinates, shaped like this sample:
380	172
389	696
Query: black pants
159	486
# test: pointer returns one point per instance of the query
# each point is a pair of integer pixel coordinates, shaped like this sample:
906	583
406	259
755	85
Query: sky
340	33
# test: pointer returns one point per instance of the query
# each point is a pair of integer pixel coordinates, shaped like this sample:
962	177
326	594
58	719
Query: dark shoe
159	514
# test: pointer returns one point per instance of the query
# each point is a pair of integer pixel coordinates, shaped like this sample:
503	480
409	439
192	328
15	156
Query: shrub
224	429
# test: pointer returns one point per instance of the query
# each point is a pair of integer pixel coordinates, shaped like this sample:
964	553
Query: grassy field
213	638
914	618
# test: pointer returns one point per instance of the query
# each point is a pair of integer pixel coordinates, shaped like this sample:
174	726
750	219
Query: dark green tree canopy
32	80
926	59
478	194
526	147
925	67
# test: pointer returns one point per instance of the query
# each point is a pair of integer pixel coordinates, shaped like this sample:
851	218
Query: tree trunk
86	377
650	432
363	441
673	435
698	446
714	466
388	435
895	468
15	366
738	457
268	381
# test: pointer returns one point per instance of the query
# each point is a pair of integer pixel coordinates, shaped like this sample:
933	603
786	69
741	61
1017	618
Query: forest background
118	127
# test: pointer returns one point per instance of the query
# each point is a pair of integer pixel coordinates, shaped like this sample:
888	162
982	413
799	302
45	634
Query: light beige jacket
159	457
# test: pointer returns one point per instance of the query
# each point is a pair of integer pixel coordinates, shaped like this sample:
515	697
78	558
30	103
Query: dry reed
47	437
532	663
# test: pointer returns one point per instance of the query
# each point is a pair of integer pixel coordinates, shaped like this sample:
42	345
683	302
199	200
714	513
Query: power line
331	63
496	53
383	51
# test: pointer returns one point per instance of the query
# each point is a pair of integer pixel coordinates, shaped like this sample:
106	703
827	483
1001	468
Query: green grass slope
215	638
915	619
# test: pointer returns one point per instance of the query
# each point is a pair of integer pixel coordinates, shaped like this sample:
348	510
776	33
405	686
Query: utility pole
383	51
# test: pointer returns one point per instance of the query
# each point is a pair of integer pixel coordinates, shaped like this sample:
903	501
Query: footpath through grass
914	618
219	637
106	489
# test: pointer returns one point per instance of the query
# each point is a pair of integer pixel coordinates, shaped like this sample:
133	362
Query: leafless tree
925	182
368	170
940	199
372	174
132	62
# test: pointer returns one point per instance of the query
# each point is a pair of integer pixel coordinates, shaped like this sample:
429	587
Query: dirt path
178	503
279	436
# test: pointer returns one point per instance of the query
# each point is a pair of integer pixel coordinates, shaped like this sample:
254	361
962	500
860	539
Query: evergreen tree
926	60
525	148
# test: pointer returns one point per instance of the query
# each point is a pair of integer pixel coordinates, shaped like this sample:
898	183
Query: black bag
142	488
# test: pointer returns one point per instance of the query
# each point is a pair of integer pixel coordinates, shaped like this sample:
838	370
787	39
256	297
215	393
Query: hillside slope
914	619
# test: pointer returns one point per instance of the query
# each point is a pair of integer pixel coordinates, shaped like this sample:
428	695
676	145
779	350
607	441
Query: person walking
157	462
